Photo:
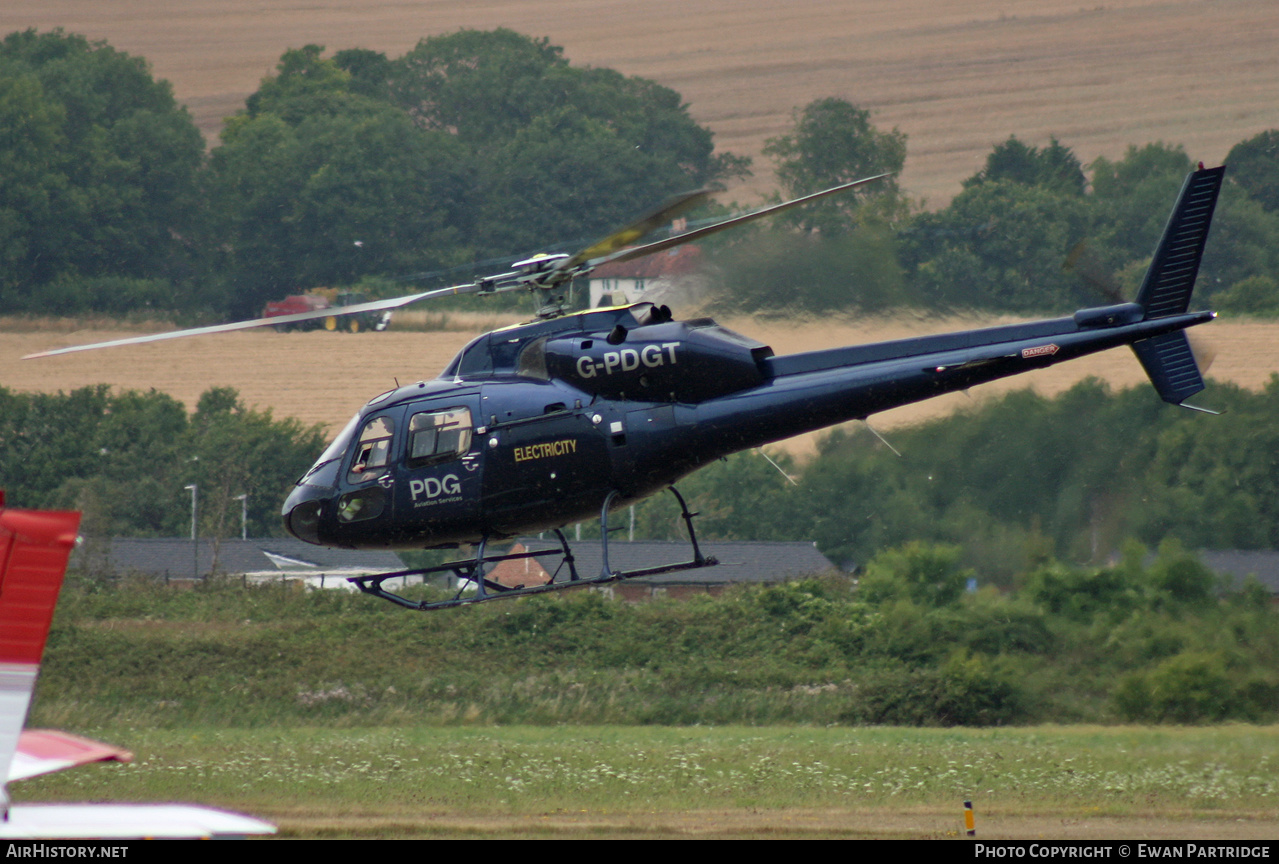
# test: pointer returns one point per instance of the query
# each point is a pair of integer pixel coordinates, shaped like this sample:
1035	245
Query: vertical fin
1171	278
1169	282
34	549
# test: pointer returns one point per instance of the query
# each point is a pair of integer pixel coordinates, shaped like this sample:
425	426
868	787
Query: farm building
674	276
267	559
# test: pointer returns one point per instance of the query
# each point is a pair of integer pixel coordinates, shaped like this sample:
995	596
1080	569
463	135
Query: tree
566	176
480	85
1244	245
1191	687
1129	211
927	575
555	152
1131	197
235	451
473	145
124	459
1001	245
1003	241
370	71
1254	166
833	142
305	84
814	273
1055	167
100	167
1255	295
318	185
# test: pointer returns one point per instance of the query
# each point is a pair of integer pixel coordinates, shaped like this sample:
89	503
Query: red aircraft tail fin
34	549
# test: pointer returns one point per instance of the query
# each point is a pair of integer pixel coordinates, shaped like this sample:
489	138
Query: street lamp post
244	515
195	539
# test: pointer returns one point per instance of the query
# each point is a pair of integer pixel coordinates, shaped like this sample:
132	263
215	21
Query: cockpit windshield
318	476
338	447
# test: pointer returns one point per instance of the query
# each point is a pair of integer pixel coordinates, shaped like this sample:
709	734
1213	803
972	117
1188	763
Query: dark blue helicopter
540	425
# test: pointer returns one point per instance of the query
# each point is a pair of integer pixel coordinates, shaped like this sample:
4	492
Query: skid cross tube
472	570
699	560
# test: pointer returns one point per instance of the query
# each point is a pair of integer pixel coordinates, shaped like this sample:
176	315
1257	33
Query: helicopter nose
303	522
302	514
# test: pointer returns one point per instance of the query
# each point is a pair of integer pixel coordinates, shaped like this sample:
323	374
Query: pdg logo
433	487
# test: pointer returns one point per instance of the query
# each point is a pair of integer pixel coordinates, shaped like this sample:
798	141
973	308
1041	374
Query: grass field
1075	783
956	75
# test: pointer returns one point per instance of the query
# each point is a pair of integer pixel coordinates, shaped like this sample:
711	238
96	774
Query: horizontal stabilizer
43	751
1171	366
1171	277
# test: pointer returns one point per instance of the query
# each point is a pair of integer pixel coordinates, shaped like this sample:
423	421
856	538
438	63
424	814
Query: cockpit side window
372	451
438	436
533	360
504	352
475	360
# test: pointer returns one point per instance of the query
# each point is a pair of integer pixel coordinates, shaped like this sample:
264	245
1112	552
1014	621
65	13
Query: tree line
1017	481
473	145
125	459
477	147
1034	231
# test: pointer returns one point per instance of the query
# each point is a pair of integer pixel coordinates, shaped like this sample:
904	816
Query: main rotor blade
1085	263
697	234
372	306
655	218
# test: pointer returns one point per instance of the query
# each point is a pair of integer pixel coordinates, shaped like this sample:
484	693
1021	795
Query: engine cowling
676	361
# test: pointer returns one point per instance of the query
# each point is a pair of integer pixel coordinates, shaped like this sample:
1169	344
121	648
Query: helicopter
573	415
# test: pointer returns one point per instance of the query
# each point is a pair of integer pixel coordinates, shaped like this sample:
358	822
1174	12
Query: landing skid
471	571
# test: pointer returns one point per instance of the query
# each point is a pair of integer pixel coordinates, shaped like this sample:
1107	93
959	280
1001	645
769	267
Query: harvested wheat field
956	75
322	377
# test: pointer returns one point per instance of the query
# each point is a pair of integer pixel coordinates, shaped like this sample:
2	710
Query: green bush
1191	687
1255	295
964	691
808	652
927	574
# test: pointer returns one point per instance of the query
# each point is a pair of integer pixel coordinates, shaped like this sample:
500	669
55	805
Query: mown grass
415	774
335	715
